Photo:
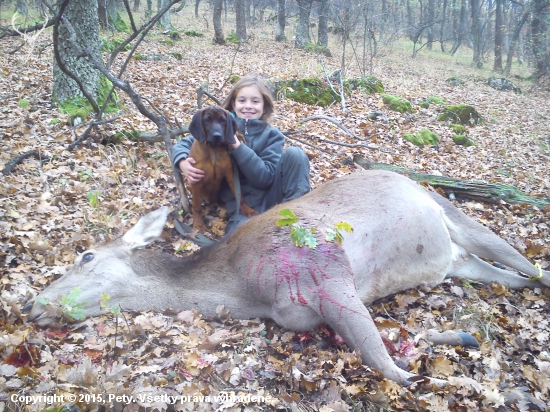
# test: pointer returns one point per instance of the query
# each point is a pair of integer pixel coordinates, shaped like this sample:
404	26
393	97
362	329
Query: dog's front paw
248	211
198	224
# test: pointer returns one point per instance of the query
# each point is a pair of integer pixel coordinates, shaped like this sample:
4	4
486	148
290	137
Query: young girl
269	174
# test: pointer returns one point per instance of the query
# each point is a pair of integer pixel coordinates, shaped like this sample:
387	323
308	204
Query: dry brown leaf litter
46	218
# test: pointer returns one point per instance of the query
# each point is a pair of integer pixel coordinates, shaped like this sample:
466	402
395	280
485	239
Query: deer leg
469	266
342	309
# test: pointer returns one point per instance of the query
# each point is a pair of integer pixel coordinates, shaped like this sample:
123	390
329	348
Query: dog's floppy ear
230	128
195	127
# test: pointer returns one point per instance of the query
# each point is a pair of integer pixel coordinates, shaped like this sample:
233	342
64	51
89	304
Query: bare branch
368	146
92	125
19	159
332	120
155	137
200	92
308	144
342	96
159	120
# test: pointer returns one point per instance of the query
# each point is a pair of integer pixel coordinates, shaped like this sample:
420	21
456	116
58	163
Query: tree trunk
249	16
514	41
281	21
477	32
442	36
102	14
83	15
485	192
240	12
540	39
497	67
461	28
21	6
322	32
302	30
384	18
197	8
112	11
217	20
136	6
164	21
410	21
431	18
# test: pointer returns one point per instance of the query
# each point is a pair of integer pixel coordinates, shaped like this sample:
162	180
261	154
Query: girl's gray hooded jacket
257	161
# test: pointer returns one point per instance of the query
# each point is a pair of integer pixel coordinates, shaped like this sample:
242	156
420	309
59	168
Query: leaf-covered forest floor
53	211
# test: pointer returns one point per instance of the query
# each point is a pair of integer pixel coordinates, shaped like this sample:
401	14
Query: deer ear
147	229
195	127
230	128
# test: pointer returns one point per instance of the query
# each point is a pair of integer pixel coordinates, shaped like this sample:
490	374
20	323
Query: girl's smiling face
249	103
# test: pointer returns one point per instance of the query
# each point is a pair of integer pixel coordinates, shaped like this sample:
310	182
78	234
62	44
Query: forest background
58	198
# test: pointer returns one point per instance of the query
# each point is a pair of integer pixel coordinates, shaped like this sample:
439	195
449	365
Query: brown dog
213	129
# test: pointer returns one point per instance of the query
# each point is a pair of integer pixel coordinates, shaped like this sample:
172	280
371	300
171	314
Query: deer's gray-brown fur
403	237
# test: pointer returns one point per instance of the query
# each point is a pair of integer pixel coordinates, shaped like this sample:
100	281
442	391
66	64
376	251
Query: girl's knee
295	155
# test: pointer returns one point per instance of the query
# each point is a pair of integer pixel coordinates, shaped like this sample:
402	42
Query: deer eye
88	257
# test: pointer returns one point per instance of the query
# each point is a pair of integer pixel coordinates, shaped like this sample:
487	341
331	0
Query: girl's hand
192	174
233	146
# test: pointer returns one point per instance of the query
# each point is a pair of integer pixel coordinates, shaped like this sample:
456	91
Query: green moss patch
311	91
193	33
233	38
317	49
132	135
461	114
234	79
121	25
463	140
80	107
366	84
174	35
422	138
458	128
432	100
397	103
109	45
318	92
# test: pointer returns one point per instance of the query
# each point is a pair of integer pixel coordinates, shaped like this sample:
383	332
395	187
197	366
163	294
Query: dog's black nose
217	138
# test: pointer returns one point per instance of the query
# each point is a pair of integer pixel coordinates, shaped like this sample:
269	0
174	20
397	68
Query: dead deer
403	237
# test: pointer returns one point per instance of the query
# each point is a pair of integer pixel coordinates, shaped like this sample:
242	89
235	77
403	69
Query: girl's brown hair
262	87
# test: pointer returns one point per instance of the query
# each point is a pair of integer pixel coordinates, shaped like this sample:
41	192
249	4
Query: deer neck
201	281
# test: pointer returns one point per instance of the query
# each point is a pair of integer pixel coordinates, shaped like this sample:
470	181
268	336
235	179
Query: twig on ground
332	120
156	137
19	159
341	94
84	135
308	144
368	146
